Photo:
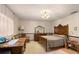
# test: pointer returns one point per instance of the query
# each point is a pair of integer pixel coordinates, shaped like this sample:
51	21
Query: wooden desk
18	48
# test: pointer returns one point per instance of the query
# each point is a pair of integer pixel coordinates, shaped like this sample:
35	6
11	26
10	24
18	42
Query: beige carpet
34	48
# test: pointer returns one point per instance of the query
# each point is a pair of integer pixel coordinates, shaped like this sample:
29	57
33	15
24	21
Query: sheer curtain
6	25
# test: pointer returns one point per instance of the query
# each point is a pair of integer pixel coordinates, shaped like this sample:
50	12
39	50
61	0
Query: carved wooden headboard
61	29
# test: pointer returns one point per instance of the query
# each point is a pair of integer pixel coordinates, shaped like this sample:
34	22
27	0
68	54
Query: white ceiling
32	11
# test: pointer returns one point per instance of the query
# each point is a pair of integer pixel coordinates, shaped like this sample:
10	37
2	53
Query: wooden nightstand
77	47
73	44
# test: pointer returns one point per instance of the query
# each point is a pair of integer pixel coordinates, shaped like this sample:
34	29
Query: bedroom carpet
34	48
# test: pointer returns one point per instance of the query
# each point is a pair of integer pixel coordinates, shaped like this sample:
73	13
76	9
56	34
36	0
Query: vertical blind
6	25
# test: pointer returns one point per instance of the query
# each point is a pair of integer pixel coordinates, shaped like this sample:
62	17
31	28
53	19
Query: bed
58	39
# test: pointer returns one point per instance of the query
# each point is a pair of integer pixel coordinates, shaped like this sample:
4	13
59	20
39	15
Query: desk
18	48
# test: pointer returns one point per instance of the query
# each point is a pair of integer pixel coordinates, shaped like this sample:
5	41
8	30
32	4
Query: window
6	25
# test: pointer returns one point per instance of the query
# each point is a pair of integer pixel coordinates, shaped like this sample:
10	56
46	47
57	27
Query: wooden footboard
43	42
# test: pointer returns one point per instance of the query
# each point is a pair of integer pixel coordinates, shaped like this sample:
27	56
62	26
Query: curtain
6	25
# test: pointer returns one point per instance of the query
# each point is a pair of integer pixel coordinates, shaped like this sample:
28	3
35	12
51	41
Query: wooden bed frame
60	29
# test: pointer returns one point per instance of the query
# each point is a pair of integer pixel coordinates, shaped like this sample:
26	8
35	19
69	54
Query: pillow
2	39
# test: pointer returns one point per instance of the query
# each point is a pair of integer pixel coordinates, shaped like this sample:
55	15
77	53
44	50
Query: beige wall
7	12
72	21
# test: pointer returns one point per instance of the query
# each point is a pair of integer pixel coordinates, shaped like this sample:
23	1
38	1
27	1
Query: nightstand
73	43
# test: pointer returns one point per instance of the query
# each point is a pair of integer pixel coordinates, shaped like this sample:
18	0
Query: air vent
73	12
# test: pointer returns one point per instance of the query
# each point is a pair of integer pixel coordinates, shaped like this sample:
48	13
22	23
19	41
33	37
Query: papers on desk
12	42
